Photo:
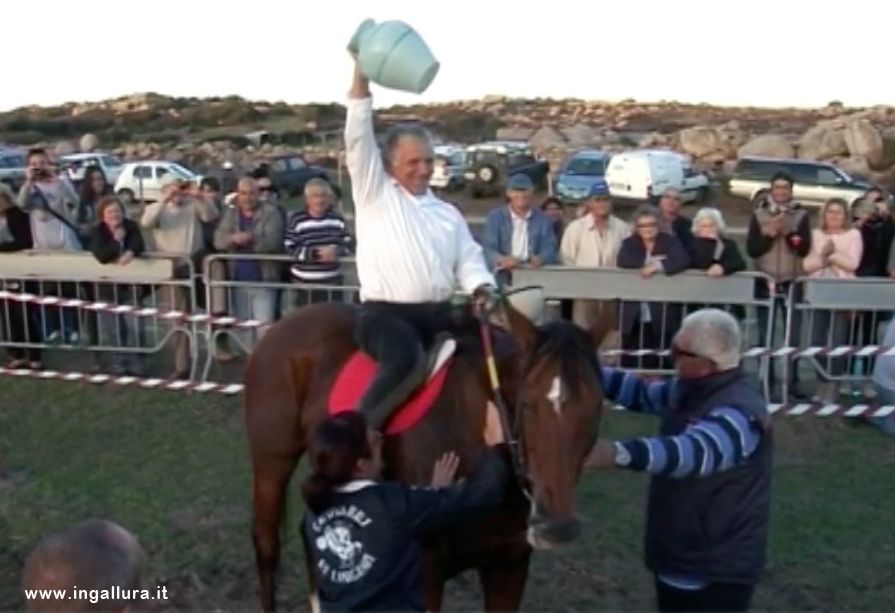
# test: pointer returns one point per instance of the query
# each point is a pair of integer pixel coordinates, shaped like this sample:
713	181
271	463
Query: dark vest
714	527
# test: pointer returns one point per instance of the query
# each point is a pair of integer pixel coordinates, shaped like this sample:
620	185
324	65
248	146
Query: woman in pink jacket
835	253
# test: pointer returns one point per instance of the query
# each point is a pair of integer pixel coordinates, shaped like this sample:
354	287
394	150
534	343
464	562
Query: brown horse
551	386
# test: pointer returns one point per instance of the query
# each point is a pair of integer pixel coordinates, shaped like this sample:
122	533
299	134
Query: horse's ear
520	326
607	321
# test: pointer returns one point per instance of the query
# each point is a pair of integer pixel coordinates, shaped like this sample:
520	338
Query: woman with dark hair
116	241
20	319
650	325
553	208
93	188
362	535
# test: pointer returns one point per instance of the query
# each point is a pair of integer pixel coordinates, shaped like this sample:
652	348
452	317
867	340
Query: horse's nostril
555	531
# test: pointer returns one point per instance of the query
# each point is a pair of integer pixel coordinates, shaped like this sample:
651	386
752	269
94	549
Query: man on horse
413	250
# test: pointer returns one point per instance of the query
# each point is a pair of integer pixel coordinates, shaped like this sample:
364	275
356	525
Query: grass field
173	469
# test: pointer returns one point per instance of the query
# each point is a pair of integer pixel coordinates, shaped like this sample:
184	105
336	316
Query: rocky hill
204	132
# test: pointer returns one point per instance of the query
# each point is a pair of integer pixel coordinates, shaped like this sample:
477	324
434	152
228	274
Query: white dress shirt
519	245
409	248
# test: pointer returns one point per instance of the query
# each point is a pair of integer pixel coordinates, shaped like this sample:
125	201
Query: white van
644	175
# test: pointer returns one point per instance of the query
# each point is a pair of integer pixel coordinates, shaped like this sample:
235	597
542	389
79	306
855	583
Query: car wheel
126	196
487	174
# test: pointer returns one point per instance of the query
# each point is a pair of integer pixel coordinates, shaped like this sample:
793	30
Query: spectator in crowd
267	191
714	253
229	178
251	227
20	319
93	556
51	202
176	224
670	219
884	380
650	325
873	218
116	241
93	188
346	467
778	240
593	241
711	463
316	238
835	254
517	234
553	208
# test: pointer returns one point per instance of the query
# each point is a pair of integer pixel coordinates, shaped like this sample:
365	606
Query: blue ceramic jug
393	55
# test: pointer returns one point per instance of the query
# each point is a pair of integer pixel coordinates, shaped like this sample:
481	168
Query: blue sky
765	53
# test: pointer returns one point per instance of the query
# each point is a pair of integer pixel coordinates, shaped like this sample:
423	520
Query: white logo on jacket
348	562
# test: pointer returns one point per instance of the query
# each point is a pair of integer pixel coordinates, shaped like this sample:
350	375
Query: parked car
12	168
489	165
643	175
76	165
579	173
814	182
289	173
450	168
141	181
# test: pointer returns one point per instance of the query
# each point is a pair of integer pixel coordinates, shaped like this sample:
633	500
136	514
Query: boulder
768	145
699	141
824	141
582	135
652	140
546	138
64	147
857	166
865	141
88	143
514	133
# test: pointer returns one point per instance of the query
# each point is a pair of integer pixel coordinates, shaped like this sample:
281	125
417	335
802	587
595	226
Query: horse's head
558	398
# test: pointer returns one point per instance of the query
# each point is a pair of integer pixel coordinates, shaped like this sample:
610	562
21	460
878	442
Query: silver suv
12	168
814	182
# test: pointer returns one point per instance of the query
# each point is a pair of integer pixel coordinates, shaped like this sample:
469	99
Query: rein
511	431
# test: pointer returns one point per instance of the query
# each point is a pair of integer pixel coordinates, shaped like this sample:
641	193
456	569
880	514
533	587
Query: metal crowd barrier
842	314
70	303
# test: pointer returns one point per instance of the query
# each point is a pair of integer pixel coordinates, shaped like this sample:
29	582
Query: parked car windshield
586	166
110	161
182	172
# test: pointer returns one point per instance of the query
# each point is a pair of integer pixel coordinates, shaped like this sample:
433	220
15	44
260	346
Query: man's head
94	555
318	197
599	200
408	157
247	194
520	193
171	187
210	187
781	188
708	342
39	165
670	203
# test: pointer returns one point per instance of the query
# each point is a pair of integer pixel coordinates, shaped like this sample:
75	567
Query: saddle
424	385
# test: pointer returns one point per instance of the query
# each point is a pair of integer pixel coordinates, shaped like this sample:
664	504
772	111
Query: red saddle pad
356	376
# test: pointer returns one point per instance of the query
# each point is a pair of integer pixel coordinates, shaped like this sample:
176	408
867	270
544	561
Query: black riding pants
397	336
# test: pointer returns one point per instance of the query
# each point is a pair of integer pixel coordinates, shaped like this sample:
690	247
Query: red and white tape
173	385
231	389
780	352
128	309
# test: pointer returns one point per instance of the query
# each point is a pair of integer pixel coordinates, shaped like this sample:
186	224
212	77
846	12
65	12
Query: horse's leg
503	580
433	584
270	483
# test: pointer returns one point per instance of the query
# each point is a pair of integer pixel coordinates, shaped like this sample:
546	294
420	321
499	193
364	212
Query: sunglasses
651	224
265	188
677	352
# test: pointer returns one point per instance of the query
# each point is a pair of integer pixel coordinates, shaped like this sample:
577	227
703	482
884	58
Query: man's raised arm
362	154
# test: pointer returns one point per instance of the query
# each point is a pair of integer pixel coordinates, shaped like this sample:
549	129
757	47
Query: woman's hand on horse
493	433
445	470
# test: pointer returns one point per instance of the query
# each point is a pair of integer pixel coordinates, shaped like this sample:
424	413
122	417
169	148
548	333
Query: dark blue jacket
632	254
498	237
364	545
713	527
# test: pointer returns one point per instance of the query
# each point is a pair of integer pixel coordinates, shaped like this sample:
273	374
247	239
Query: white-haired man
413	251
709	497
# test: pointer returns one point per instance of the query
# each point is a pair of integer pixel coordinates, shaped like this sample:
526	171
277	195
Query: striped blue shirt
306	234
723	439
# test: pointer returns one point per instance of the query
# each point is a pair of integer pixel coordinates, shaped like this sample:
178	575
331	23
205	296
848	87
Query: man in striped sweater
316	238
709	497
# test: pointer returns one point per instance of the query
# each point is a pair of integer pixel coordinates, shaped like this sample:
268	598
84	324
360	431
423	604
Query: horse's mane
571	345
